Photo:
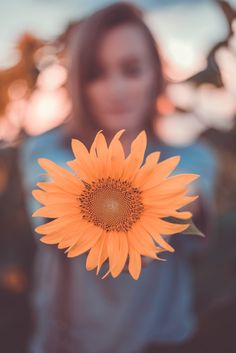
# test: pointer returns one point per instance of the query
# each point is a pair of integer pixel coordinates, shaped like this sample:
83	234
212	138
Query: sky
187	28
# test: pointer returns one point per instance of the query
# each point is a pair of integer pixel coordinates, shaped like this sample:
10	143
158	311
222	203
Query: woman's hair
82	56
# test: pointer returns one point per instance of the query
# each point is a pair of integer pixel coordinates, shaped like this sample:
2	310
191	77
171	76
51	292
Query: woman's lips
118	110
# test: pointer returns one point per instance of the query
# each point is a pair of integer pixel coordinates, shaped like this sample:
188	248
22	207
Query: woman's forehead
124	42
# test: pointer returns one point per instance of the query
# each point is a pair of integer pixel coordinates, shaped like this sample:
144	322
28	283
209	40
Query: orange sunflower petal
73	234
64	237
86	242
102	256
82	172
134	263
148	195
168	202
147	168
99	154
172	184
83	159
112	249
99	148
57	210
92	260
135	158
181	214
61	176
53	238
186	200
163	227
122	254
52	187
57	224
160	171
57	236
116	156
50	198
142	242
154	232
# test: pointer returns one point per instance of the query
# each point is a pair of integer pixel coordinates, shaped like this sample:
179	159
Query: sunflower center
114	205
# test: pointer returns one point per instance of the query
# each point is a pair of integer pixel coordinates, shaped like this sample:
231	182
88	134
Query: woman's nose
116	86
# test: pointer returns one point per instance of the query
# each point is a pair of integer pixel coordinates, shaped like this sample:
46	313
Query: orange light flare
47	107
13	279
17	90
164	105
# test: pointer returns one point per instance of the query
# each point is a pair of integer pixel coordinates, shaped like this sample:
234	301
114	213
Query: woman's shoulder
199	154
42	143
197	149
46	145
203	149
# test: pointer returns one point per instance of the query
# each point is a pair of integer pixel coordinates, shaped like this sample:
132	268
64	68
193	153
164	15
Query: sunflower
113	207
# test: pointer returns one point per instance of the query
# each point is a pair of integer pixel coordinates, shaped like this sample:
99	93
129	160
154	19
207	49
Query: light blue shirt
113	315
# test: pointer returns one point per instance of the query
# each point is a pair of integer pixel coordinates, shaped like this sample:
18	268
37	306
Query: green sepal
192	229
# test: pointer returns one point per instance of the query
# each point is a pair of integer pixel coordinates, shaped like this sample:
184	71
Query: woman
115	78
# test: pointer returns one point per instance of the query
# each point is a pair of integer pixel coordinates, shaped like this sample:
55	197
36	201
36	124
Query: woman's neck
71	130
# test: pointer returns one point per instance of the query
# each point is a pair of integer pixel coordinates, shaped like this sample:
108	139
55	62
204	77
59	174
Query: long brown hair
83	48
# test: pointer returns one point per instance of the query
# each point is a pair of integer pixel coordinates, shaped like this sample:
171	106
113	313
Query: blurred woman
115	78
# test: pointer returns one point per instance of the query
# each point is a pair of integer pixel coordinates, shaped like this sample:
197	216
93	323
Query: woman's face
121	90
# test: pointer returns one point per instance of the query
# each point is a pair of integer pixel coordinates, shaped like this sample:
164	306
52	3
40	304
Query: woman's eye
132	71
96	73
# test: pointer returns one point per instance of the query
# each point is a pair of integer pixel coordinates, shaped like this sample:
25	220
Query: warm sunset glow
53	77
179	129
17	89
46	110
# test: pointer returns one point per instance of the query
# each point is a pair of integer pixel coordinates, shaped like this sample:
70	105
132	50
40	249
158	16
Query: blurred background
198	46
